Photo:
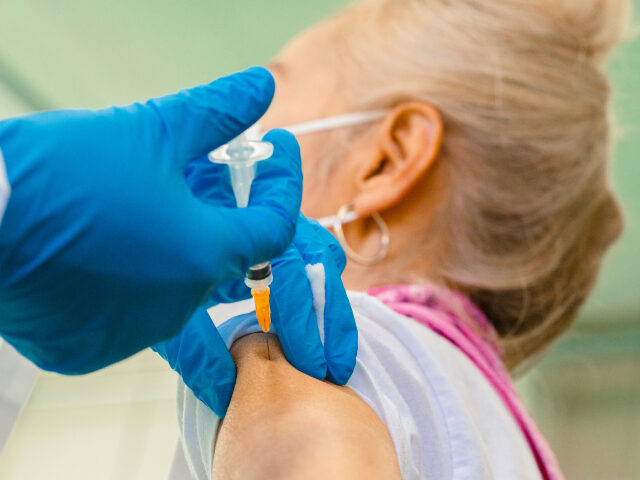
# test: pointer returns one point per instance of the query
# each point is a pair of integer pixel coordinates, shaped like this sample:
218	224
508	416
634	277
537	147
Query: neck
410	260
360	277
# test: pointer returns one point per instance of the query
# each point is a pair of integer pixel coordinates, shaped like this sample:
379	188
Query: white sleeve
5	188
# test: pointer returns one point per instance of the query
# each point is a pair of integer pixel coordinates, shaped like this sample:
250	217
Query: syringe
241	156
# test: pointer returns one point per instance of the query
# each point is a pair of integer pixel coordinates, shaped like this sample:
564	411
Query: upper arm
283	424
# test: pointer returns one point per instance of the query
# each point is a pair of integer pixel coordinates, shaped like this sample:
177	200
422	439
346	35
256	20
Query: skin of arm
283	424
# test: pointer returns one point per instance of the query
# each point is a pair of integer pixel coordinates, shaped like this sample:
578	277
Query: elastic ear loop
337	121
343	216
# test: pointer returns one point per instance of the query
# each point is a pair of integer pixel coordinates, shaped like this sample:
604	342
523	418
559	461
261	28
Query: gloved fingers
210	182
199	355
340	331
335	316
339	257
315	239
263	230
199	119
278	180
229	291
294	317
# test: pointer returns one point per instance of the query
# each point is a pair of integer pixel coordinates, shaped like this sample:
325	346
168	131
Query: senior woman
472	198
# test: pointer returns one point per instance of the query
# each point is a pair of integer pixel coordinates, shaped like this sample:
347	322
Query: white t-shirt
445	419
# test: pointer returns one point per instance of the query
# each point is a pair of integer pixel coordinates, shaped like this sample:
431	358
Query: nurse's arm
282	424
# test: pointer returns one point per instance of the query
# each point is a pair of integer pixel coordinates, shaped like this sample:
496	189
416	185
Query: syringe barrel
241	178
241	156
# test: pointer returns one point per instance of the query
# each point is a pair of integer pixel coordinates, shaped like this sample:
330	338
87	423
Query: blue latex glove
300	330
292	311
104	249
195	354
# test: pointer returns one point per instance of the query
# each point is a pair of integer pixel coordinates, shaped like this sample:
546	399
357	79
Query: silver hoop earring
342	217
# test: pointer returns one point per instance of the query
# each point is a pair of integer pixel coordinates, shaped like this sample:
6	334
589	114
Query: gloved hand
310	308
104	250
199	355
323	345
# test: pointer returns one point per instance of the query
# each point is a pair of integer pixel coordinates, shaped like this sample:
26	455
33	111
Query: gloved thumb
199	119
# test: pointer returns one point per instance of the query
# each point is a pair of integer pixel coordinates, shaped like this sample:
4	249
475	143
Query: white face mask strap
328	222
338	121
254	132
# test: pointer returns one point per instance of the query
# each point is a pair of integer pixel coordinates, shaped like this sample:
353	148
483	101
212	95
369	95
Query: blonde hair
524	101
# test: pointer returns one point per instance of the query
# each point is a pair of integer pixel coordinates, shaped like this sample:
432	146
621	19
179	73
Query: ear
408	145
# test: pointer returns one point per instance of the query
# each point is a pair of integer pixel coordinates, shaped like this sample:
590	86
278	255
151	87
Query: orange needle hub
263	311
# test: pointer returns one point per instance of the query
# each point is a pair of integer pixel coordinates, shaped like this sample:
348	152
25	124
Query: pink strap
448	313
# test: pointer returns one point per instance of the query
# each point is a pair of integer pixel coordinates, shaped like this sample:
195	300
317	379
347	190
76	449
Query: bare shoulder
290	425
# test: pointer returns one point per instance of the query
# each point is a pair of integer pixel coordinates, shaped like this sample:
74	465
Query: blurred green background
69	53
